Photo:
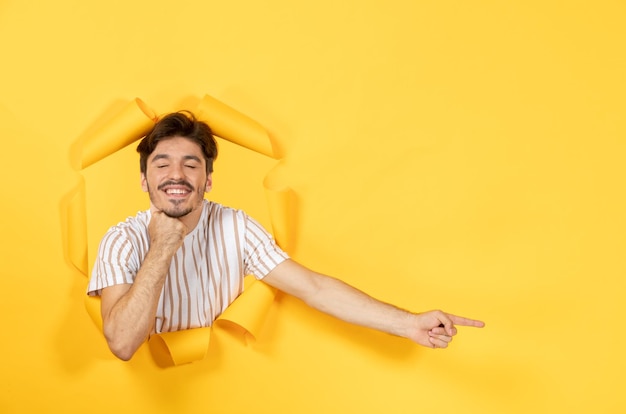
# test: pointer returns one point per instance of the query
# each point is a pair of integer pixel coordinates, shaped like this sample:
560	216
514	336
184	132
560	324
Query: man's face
176	177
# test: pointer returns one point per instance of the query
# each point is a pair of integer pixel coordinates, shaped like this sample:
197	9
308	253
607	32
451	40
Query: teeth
176	191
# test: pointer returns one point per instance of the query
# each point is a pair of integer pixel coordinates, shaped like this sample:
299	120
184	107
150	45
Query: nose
176	172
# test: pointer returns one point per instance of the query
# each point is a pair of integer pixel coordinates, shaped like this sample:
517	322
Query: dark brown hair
179	124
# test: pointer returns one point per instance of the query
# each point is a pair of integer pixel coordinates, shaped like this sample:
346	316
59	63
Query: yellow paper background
462	155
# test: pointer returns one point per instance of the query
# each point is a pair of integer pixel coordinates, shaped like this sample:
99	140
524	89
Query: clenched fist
166	233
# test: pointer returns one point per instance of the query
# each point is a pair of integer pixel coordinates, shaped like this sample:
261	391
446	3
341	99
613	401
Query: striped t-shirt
207	272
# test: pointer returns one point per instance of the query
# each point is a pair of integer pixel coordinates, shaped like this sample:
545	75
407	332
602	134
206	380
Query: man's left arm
433	329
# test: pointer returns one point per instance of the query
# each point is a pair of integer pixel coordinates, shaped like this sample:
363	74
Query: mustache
172	182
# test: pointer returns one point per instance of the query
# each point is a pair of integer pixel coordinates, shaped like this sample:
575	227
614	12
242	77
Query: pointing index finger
459	320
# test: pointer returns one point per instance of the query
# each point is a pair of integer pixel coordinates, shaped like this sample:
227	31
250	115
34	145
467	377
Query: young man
181	263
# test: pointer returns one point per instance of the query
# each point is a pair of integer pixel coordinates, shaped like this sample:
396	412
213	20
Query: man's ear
144	183
209	183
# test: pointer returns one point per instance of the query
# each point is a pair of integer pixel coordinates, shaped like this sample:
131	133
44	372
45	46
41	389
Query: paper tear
248	312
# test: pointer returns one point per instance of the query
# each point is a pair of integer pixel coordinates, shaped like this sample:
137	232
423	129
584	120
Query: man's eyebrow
186	157
192	158
160	157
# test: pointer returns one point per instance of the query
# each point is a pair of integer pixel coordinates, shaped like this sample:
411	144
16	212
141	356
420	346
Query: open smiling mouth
177	195
176	189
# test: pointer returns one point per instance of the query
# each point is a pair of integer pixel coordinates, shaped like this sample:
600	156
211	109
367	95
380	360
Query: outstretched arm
129	310
433	329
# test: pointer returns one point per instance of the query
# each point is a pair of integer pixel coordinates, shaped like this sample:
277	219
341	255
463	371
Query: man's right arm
129	310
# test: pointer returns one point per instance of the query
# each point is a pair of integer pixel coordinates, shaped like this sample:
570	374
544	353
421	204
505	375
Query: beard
174	208
174	212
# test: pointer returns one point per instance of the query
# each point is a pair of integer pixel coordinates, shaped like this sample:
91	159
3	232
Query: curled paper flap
279	209
180	347
133	122
279	199
227	123
248	312
92	304
77	228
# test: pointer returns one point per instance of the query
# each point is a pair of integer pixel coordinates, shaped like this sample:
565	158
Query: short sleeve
116	262
262	254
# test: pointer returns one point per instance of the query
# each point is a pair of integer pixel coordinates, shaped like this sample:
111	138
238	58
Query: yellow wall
458	155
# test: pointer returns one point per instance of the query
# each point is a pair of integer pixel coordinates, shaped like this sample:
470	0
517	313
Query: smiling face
176	179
